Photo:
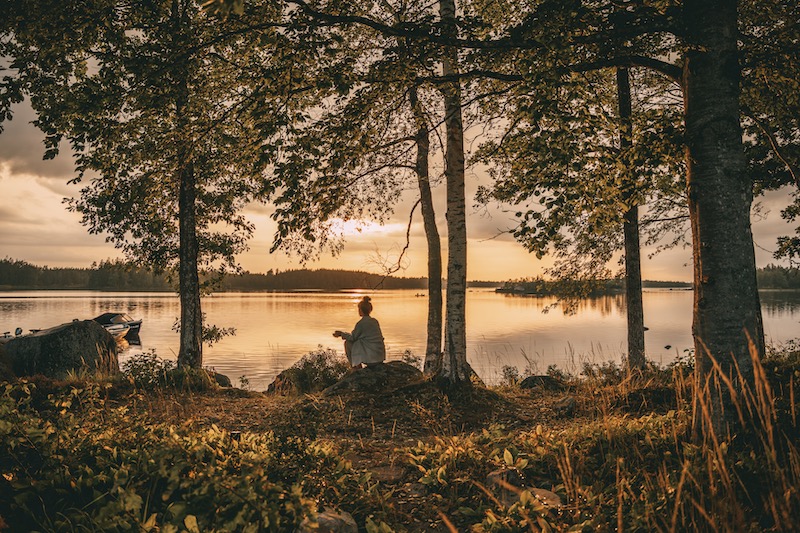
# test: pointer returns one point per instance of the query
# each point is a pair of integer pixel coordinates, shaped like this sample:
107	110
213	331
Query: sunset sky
35	225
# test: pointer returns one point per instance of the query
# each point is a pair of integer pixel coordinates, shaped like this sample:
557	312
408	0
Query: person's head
365	306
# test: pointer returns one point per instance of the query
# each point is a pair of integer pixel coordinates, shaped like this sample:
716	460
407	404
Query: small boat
118	331
7	336
119	319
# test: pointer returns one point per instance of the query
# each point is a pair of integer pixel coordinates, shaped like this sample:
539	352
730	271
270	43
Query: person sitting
365	343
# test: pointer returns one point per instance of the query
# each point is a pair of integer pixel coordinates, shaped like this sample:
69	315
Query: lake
273	330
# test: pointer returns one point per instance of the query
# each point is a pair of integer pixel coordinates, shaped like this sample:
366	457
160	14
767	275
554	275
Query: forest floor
605	451
377	433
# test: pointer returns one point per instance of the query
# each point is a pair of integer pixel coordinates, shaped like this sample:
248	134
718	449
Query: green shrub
509	376
317	370
147	371
411	359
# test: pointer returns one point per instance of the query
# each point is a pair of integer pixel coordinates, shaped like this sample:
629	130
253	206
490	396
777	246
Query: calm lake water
273	330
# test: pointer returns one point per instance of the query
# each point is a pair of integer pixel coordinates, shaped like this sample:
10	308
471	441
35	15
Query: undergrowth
73	462
629	459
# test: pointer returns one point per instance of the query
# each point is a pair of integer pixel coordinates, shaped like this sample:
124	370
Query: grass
414	459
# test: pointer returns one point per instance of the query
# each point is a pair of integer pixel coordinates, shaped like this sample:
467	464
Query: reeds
729	463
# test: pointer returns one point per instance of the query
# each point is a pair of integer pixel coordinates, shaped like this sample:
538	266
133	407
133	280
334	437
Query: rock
541	382
381	377
80	346
6	374
565	406
221	379
313	372
330	521
284	383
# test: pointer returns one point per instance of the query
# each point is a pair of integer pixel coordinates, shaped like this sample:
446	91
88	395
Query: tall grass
634	460
677	471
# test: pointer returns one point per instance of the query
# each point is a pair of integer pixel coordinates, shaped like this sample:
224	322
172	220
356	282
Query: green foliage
147	371
649	473
510	376
71	461
317	370
412	359
124	275
318	279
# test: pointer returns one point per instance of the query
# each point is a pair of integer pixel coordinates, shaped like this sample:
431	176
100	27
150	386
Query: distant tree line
769	277
15	274
324	279
107	275
120	275
778	277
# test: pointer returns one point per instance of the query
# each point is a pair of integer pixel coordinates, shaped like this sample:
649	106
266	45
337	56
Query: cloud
22	148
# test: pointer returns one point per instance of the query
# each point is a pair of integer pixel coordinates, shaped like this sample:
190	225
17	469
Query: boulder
313	372
329	521
221	379
80	346
381	377
6	373
284	383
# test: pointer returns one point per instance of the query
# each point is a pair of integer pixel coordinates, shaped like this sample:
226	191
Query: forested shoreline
115	275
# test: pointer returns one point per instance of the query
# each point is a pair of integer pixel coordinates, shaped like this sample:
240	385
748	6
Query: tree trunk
727	311
433	347
633	262
190	353
455	367
191	347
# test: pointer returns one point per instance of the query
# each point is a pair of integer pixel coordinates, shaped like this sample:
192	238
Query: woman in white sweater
365	343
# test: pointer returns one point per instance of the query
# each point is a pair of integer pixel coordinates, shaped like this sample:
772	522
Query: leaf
190	522
150	523
508	457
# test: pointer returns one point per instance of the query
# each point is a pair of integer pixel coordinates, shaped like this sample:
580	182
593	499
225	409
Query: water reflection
276	329
779	303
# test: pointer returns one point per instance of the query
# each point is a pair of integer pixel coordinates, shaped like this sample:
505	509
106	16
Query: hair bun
366	299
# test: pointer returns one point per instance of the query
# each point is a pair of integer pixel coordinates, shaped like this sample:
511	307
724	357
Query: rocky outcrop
381	377
80	346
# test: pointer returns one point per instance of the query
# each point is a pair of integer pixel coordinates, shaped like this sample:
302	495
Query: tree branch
775	147
396	267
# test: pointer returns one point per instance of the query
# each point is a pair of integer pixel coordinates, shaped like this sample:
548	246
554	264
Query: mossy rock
378	378
82	347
